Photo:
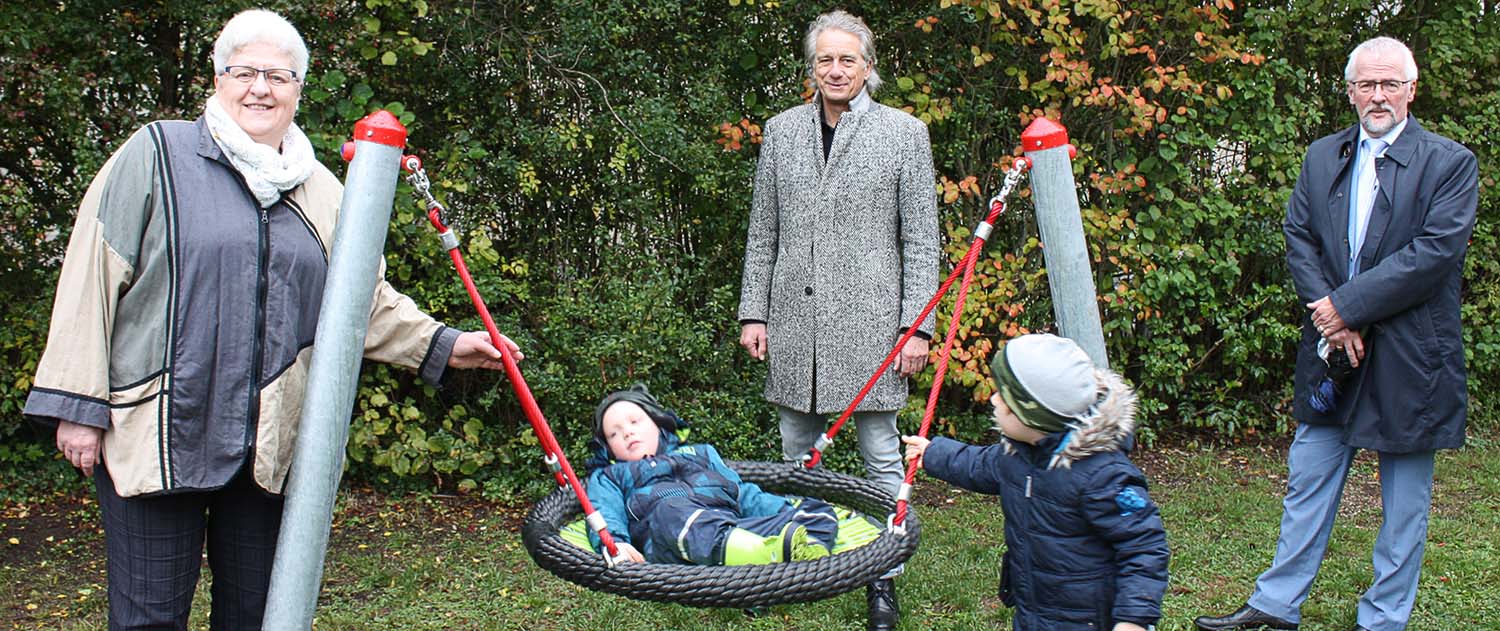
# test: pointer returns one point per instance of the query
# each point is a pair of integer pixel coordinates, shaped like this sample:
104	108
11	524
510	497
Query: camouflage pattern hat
1047	381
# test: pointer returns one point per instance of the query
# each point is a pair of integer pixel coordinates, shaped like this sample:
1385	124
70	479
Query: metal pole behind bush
1074	298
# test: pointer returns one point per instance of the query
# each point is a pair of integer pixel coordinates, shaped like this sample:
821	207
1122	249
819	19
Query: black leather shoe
1359	628
1247	618
885	612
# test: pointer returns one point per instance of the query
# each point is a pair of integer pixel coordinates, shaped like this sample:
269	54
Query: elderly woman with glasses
178	353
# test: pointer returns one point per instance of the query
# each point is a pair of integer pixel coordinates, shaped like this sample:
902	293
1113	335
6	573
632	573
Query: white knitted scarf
267	171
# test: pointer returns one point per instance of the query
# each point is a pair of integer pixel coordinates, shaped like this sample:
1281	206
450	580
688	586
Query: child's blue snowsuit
679	507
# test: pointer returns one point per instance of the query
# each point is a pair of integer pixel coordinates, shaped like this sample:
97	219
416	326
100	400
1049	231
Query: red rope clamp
981	234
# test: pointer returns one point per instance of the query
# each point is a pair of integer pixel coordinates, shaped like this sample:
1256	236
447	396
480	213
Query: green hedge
598	157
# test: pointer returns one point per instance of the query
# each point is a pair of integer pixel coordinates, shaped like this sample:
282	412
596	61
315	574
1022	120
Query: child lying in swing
666	502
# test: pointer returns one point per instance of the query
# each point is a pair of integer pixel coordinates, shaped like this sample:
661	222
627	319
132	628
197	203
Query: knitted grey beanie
1047	381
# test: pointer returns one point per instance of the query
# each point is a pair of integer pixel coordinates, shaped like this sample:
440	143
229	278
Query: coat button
807	290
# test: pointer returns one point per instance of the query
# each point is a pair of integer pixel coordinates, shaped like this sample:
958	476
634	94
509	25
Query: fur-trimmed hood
1109	426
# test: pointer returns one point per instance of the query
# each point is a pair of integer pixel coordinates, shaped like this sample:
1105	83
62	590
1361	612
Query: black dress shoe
1247	618
885	612
1359	628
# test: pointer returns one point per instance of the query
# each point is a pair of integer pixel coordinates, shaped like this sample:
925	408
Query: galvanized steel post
1074	297
333	376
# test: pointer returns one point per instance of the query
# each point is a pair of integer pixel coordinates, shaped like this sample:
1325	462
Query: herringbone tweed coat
841	256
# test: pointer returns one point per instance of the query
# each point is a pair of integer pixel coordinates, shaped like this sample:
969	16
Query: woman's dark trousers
155	547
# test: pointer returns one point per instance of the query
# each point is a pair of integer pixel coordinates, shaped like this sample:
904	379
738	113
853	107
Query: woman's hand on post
753	338
474	350
81	445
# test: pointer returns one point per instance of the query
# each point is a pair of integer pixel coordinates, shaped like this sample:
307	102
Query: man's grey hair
840	20
258	26
1383	45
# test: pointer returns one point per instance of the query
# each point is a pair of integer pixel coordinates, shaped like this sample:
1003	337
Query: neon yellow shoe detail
798	545
805	547
743	547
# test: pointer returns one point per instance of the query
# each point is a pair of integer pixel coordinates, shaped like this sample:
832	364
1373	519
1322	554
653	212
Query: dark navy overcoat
1410	393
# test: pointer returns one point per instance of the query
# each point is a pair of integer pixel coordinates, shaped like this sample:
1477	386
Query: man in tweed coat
841	257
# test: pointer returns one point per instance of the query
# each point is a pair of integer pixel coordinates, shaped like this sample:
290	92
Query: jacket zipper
261	289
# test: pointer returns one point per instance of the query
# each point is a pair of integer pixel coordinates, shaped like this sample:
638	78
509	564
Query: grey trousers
1319	465
879	441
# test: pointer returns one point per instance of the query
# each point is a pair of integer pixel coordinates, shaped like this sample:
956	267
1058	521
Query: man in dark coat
1376	232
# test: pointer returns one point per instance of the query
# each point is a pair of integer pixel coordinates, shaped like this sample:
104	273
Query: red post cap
381	127
1043	134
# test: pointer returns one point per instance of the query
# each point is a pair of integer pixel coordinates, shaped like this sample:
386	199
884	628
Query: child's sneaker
797	545
743	547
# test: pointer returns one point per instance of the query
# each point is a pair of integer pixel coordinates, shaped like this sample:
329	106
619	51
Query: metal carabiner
1012	177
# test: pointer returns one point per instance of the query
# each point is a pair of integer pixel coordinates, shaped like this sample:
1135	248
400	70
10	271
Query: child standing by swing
1085	546
666	502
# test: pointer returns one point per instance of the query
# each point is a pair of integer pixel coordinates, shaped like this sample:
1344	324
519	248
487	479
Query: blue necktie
1362	198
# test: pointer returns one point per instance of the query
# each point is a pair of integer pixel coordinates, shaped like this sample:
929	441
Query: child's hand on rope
630	554
915	447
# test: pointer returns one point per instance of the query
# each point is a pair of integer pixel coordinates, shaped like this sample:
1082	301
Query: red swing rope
553	454
966	267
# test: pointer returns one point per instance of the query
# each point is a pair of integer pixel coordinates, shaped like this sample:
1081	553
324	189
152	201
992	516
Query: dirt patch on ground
51	558
28	528
1175	465
366	521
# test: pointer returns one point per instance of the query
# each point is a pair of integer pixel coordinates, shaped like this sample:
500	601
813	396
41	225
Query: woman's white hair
1383	45
841	20
259	26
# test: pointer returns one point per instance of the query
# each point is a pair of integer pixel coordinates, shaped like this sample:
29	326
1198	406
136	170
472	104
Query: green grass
456	563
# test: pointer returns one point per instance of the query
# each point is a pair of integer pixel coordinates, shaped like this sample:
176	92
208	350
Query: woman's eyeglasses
277	77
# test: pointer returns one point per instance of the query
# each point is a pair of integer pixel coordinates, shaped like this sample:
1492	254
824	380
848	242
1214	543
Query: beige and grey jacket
185	316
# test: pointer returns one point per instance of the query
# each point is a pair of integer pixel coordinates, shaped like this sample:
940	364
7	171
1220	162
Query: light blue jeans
879	441
1318	465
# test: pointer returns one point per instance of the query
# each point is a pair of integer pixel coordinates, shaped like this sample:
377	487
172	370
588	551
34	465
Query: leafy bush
598	160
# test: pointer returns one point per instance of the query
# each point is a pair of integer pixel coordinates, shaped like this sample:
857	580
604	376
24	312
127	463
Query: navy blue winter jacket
1085	545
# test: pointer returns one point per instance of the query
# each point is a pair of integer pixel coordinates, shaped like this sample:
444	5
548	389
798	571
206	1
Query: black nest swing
729	586
738	586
